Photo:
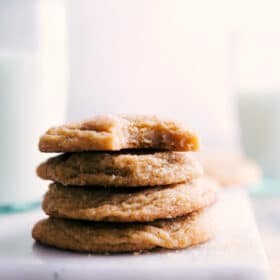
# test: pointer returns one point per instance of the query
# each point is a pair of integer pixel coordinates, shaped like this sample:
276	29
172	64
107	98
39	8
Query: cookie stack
123	183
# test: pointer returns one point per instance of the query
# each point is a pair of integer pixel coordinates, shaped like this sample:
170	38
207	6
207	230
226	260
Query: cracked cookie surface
136	168
96	237
117	132
129	205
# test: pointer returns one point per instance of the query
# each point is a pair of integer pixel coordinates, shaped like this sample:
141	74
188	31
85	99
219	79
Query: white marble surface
235	253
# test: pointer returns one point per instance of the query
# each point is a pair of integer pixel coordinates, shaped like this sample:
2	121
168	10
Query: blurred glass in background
33	79
257	88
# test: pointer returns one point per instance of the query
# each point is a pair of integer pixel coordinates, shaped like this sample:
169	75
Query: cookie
230	168
97	237
123	205
117	132
120	169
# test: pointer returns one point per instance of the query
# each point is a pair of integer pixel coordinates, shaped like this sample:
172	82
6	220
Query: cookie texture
137	168
117	132
123	205
113	238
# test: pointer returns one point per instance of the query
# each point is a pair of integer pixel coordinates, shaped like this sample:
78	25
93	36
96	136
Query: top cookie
117	132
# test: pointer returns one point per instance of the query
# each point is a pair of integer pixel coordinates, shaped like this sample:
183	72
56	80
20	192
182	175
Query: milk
259	115
27	108
33	85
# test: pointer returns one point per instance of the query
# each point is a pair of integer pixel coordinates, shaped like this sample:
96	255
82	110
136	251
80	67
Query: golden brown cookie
120	169
110	237
230	168
123	205
117	132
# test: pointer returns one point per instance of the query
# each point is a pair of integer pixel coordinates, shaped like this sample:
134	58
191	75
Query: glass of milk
27	109
259	114
33	83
